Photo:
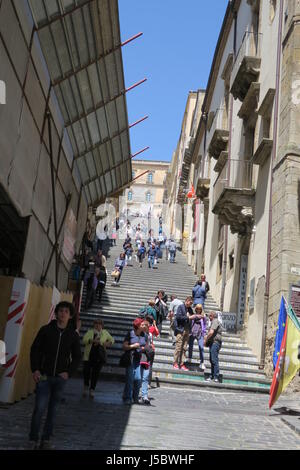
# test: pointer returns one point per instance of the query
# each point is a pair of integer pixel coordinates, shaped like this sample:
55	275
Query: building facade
245	169
146	196
180	175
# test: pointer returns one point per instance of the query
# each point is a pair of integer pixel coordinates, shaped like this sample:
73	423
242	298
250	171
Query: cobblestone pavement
178	419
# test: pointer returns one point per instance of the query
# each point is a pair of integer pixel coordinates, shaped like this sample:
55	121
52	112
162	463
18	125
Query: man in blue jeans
151	255
214	341
55	354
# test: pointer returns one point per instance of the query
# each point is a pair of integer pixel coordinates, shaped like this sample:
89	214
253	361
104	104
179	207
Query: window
220	257
148	197
133	174
221	236
129	196
150	178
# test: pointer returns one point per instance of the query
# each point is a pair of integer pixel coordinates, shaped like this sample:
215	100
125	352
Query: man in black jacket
55	355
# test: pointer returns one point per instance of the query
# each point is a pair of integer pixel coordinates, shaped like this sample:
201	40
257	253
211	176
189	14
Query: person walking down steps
200	291
96	340
213	340
197	332
55	355
141	253
182	333
119	266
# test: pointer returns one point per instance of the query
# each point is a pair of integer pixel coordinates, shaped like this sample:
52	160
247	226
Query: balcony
220	134
246	68
221	162
233	198
203	181
263	151
248	110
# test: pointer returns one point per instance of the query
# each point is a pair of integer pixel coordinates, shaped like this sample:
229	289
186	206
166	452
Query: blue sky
175	55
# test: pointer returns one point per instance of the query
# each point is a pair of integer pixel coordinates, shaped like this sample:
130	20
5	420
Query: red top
154	332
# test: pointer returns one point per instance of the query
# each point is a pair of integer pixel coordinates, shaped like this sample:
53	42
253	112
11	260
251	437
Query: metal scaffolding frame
81	44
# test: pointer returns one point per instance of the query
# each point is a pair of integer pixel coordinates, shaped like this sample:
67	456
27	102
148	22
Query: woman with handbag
133	345
198	332
96	341
119	266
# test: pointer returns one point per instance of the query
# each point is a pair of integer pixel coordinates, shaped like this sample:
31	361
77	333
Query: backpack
217	331
143	312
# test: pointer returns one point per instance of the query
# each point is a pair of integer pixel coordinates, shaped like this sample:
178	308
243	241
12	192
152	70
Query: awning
81	43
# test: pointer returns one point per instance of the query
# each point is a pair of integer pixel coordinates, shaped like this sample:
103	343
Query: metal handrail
240	177
250	46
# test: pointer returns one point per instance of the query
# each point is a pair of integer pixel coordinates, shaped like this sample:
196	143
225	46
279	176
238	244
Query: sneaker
208	379
202	366
184	368
217	381
33	445
146	401
136	402
46	445
175	366
92	393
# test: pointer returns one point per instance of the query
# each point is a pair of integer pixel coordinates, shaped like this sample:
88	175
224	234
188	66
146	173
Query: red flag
277	381
191	194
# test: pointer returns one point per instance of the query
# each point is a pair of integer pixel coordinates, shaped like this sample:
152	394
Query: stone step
118	310
120	306
173	376
225	370
226	354
233	365
119	333
126	322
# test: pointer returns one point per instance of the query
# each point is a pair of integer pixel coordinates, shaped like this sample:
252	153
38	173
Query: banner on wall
55	300
242	291
13	336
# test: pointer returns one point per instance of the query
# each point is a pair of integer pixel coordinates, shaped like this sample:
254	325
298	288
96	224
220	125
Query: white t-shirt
174	305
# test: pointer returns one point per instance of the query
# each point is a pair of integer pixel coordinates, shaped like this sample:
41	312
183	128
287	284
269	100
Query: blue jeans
200	342
118	280
172	256
133	382
200	300
48	392
145	381
214	350
151	261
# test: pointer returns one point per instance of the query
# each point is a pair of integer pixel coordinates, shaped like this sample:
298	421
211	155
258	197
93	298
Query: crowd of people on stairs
56	353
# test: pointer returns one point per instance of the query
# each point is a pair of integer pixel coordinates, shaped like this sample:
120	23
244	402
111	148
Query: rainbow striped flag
288	363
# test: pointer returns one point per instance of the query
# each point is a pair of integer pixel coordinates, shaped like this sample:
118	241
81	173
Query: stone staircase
121	304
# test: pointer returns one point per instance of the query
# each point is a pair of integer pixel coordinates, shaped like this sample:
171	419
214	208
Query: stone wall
285	249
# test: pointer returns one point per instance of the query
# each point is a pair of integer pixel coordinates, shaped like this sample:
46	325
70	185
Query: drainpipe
268	271
225	248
